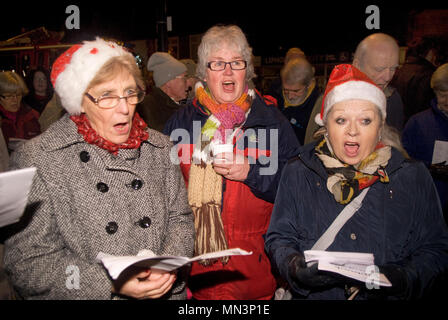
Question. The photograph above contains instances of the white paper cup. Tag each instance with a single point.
(222, 148)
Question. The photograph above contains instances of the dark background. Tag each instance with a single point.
(271, 26)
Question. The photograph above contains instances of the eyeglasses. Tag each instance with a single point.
(109, 102)
(11, 96)
(221, 65)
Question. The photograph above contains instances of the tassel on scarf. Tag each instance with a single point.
(204, 184)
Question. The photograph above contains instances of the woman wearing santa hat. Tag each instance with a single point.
(355, 191)
(104, 183)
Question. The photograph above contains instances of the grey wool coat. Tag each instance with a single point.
(85, 200)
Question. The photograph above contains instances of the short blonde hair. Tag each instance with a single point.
(439, 79)
(214, 38)
(11, 82)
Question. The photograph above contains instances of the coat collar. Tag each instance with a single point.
(166, 101)
(64, 133)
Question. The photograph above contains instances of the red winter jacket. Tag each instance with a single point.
(246, 206)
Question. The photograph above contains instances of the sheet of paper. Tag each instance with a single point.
(115, 265)
(440, 153)
(356, 265)
(363, 273)
(339, 257)
(14, 189)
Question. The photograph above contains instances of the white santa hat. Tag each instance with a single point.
(346, 82)
(73, 70)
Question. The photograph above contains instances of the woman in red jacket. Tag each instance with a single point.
(18, 120)
(232, 148)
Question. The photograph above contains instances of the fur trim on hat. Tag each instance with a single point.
(74, 70)
(348, 83)
(350, 91)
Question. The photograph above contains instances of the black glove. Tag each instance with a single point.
(398, 279)
(439, 170)
(311, 277)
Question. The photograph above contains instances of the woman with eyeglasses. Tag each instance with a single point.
(232, 147)
(18, 120)
(104, 183)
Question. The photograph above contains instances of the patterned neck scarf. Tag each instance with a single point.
(137, 135)
(345, 182)
(204, 184)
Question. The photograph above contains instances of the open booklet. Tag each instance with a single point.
(355, 265)
(115, 265)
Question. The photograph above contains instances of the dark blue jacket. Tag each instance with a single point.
(419, 135)
(400, 222)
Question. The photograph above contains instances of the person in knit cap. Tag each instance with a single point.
(104, 183)
(232, 147)
(170, 80)
(357, 166)
(192, 79)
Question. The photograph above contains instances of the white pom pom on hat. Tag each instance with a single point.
(346, 82)
(73, 70)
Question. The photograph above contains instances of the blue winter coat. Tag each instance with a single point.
(400, 222)
(419, 135)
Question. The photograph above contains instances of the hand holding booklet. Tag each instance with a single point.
(355, 265)
(115, 265)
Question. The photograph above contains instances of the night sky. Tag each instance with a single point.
(271, 27)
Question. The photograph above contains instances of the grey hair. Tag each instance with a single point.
(11, 82)
(298, 70)
(215, 38)
(439, 79)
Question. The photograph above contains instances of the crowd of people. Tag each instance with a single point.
(204, 161)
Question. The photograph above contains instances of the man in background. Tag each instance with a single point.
(169, 76)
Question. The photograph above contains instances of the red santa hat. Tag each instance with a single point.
(75, 68)
(346, 82)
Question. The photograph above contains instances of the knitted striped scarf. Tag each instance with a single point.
(204, 184)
